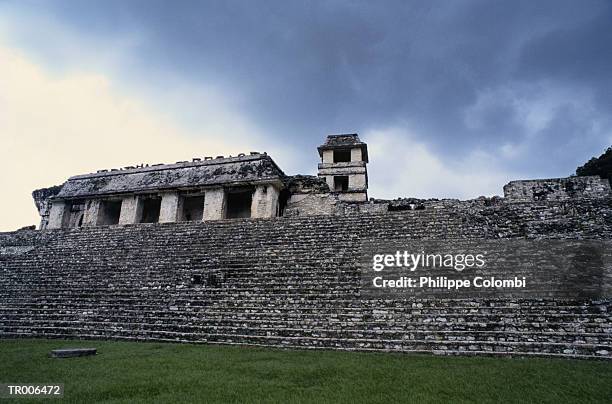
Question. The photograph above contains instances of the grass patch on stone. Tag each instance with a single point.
(128, 372)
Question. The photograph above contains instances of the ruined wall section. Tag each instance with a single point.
(41, 200)
(309, 195)
(557, 189)
(292, 282)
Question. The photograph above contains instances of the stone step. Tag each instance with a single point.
(291, 282)
(270, 303)
(387, 317)
(308, 330)
(442, 350)
(514, 347)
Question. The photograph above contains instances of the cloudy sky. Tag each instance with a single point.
(455, 98)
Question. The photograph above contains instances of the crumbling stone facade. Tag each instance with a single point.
(42, 200)
(557, 189)
(293, 282)
(209, 189)
(233, 251)
(250, 186)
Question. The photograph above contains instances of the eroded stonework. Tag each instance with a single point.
(208, 189)
(251, 186)
(234, 251)
(557, 189)
(294, 282)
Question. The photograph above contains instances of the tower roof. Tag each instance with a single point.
(344, 141)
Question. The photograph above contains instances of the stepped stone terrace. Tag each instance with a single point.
(231, 250)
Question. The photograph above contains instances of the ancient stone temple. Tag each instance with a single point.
(232, 250)
(248, 186)
(209, 189)
(203, 189)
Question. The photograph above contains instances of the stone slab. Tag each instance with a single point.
(73, 352)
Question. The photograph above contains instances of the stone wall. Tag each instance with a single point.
(292, 282)
(41, 200)
(312, 204)
(557, 189)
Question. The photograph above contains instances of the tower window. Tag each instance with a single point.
(341, 183)
(342, 156)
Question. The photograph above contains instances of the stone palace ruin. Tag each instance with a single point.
(247, 186)
(232, 250)
(209, 189)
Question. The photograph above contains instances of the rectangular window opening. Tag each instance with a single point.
(109, 213)
(342, 156)
(239, 204)
(150, 210)
(341, 183)
(193, 208)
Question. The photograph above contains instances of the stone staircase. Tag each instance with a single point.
(290, 282)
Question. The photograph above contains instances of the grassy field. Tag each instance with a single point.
(150, 372)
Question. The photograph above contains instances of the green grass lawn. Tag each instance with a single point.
(151, 372)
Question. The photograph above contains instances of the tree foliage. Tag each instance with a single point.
(601, 166)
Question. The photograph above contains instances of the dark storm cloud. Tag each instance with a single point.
(462, 75)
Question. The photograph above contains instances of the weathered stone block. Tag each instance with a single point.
(131, 210)
(265, 201)
(169, 207)
(72, 352)
(328, 156)
(91, 214)
(358, 182)
(557, 189)
(56, 215)
(214, 204)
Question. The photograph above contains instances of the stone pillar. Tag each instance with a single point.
(259, 201)
(131, 209)
(214, 204)
(169, 207)
(357, 182)
(328, 156)
(56, 215)
(330, 182)
(356, 154)
(92, 211)
(265, 201)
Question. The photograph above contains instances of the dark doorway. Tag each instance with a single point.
(283, 198)
(109, 212)
(73, 214)
(342, 156)
(150, 210)
(341, 183)
(239, 204)
(193, 208)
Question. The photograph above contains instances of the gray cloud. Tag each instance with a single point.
(462, 75)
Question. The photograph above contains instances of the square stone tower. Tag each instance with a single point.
(343, 165)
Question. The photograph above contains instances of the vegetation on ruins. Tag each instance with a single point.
(601, 166)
